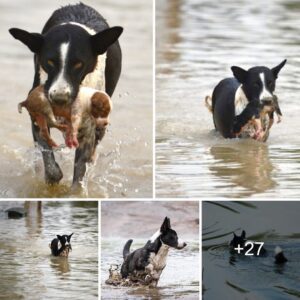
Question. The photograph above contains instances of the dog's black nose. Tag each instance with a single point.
(184, 244)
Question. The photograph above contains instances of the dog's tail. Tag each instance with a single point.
(279, 256)
(126, 249)
(208, 103)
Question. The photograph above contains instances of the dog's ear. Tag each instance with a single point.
(234, 235)
(239, 73)
(243, 236)
(59, 237)
(277, 69)
(102, 40)
(34, 41)
(165, 225)
(70, 235)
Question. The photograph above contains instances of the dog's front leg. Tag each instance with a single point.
(84, 153)
(53, 173)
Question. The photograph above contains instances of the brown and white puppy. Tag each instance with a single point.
(41, 113)
(89, 102)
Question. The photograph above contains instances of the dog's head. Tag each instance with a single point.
(66, 54)
(65, 240)
(169, 236)
(238, 240)
(258, 83)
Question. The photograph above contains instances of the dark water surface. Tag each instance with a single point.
(28, 271)
(197, 43)
(124, 159)
(239, 277)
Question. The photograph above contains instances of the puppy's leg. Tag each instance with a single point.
(252, 111)
(44, 132)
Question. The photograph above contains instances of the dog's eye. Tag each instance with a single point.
(50, 62)
(78, 65)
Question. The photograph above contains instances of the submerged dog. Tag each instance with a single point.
(149, 261)
(61, 246)
(246, 102)
(255, 248)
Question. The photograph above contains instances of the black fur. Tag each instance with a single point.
(223, 98)
(241, 241)
(139, 259)
(83, 48)
(61, 244)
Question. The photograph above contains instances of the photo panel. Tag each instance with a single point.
(49, 250)
(227, 77)
(250, 250)
(101, 140)
(150, 249)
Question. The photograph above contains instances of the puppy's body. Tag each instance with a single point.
(61, 246)
(89, 102)
(149, 261)
(240, 100)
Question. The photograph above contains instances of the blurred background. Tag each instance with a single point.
(28, 271)
(197, 41)
(124, 158)
(139, 220)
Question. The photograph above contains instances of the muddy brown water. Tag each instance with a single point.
(197, 43)
(28, 271)
(121, 221)
(124, 164)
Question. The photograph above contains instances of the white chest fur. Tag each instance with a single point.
(240, 101)
(159, 260)
(157, 263)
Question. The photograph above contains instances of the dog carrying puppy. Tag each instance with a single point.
(61, 246)
(246, 99)
(149, 261)
(89, 102)
(76, 48)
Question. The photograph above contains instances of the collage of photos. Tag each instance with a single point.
(150, 150)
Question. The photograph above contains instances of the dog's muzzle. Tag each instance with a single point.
(60, 98)
(181, 245)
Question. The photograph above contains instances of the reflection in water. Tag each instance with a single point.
(227, 276)
(60, 264)
(197, 43)
(247, 167)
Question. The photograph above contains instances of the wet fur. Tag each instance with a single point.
(149, 261)
(94, 47)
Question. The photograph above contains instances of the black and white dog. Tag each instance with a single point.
(76, 47)
(254, 248)
(236, 101)
(61, 246)
(151, 259)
